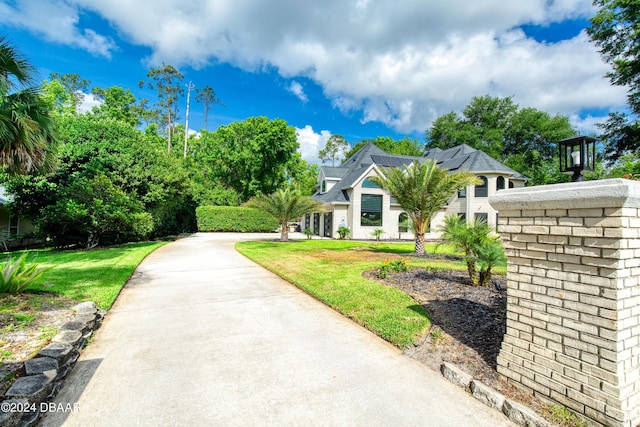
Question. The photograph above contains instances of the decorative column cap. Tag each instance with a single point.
(606, 193)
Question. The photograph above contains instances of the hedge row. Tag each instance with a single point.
(234, 219)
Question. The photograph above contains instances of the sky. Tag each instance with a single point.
(357, 68)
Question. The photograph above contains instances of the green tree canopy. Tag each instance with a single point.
(250, 157)
(615, 29)
(421, 189)
(522, 138)
(334, 149)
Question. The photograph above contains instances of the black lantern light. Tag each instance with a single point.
(577, 154)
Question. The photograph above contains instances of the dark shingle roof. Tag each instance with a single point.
(461, 157)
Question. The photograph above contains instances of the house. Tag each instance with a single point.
(11, 226)
(352, 200)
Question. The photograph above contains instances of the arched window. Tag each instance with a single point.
(500, 183)
(367, 183)
(482, 190)
(510, 184)
(403, 223)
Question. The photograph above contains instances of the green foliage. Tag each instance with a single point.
(16, 275)
(377, 233)
(250, 157)
(285, 205)
(565, 417)
(421, 189)
(392, 265)
(141, 179)
(92, 212)
(27, 133)
(308, 232)
(522, 138)
(207, 96)
(234, 219)
(480, 248)
(343, 232)
(334, 149)
(614, 30)
(118, 104)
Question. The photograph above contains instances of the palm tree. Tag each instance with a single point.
(466, 239)
(285, 205)
(26, 126)
(421, 189)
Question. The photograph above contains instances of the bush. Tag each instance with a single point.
(343, 232)
(16, 275)
(234, 219)
(397, 266)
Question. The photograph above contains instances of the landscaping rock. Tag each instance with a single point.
(40, 365)
(34, 388)
(68, 337)
(75, 326)
(88, 307)
(487, 395)
(522, 415)
(87, 319)
(59, 351)
(12, 418)
(456, 375)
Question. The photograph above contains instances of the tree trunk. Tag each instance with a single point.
(471, 269)
(284, 233)
(485, 277)
(419, 249)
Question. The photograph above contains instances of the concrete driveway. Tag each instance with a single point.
(202, 336)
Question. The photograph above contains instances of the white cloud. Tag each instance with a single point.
(88, 101)
(56, 21)
(297, 89)
(400, 63)
(311, 142)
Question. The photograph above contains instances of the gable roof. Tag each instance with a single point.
(461, 157)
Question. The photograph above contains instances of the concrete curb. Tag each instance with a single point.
(27, 397)
(516, 412)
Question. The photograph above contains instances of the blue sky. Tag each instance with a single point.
(359, 68)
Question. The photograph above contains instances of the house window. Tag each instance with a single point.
(500, 183)
(324, 187)
(462, 193)
(371, 210)
(367, 183)
(403, 223)
(482, 190)
(510, 184)
(463, 216)
(481, 216)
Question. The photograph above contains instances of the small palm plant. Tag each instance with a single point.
(343, 232)
(377, 233)
(16, 275)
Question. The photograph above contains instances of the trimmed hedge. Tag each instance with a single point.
(235, 219)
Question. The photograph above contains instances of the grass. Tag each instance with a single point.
(331, 270)
(97, 275)
(565, 417)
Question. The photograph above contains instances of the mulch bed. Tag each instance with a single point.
(467, 325)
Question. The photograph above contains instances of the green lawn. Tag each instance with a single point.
(331, 270)
(97, 275)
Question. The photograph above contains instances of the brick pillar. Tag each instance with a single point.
(573, 298)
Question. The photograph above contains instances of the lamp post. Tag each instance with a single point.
(577, 154)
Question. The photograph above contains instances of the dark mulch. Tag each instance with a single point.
(467, 325)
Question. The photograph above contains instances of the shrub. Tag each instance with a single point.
(308, 232)
(234, 219)
(377, 233)
(397, 266)
(343, 232)
(16, 275)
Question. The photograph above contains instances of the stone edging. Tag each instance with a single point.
(45, 371)
(516, 412)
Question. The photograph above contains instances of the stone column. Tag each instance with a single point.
(573, 298)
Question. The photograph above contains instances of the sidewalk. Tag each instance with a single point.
(202, 336)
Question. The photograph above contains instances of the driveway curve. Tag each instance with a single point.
(200, 335)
